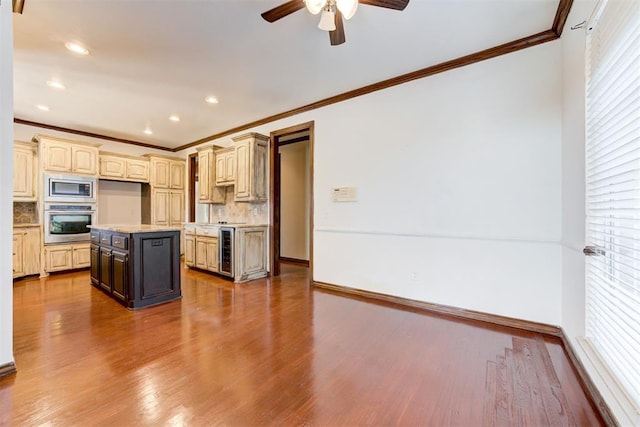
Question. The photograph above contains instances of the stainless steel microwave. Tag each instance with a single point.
(69, 189)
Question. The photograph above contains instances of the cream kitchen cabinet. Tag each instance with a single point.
(167, 172)
(251, 167)
(225, 166)
(250, 253)
(206, 253)
(123, 168)
(161, 206)
(66, 257)
(25, 169)
(189, 249)
(26, 250)
(207, 190)
(59, 155)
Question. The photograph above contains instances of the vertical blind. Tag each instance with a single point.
(613, 190)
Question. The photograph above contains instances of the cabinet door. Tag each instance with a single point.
(212, 254)
(137, 170)
(105, 269)
(176, 209)
(57, 157)
(160, 207)
(84, 159)
(189, 250)
(220, 172)
(58, 258)
(18, 264)
(23, 174)
(204, 179)
(31, 250)
(229, 167)
(252, 251)
(120, 283)
(81, 256)
(160, 173)
(112, 167)
(95, 264)
(242, 171)
(201, 253)
(177, 175)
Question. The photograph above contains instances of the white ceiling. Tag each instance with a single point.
(150, 59)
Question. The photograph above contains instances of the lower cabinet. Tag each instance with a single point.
(201, 252)
(66, 257)
(251, 253)
(26, 251)
(189, 250)
(109, 270)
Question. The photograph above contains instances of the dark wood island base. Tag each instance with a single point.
(137, 265)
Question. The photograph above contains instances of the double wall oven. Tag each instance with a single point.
(69, 207)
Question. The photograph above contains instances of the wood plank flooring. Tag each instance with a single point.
(273, 352)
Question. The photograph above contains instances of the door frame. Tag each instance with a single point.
(274, 195)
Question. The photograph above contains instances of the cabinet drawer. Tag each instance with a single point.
(120, 242)
(95, 237)
(105, 239)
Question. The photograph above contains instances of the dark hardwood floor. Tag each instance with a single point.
(273, 352)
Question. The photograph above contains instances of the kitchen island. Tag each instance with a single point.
(137, 265)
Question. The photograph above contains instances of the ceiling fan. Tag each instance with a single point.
(332, 13)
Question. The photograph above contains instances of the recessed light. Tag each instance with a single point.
(174, 118)
(148, 132)
(56, 85)
(42, 107)
(76, 48)
(211, 100)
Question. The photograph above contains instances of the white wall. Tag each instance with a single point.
(294, 201)
(459, 187)
(119, 202)
(6, 177)
(573, 178)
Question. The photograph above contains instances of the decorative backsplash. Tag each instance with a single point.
(25, 213)
(233, 211)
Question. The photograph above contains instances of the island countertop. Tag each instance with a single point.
(131, 229)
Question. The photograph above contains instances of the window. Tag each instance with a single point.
(613, 190)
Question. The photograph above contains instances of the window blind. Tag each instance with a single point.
(613, 190)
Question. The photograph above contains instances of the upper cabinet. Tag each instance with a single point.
(167, 172)
(25, 169)
(123, 168)
(251, 167)
(207, 190)
(59, 155)
(225, 166)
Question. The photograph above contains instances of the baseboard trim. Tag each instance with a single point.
(8, 369)
(542, 328)
(461, 313)
(295, 261)
(587, 383)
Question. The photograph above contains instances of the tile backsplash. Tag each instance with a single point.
(25, 213)
(233, 211)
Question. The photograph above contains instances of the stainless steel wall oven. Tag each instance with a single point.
(65, 223)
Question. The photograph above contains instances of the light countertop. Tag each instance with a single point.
(139, 228)
(230, 224)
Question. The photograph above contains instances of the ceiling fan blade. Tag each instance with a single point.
(283, 10)
(18, 5)
(388, 4)
(336, 36)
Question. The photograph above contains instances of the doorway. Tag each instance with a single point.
(291, 219)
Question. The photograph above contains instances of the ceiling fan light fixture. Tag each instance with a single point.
(327, 20)
(347, 7)
(315, 6)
